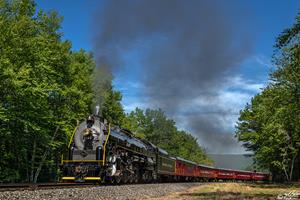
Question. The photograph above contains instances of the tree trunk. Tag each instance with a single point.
(25, 155)
(38, 170)
(292, 167)
(285, 172)
(32, 161)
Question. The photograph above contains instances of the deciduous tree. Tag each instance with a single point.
(269, 126)
(45, 87)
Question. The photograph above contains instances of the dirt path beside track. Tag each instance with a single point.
(237, 191)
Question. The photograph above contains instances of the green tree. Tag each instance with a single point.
(136, 121)
(154, 126)
(269, 126)
(45, 87)
(112, 109)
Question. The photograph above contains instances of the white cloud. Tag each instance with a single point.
(238, 82)
(128, 107)
(263, 60)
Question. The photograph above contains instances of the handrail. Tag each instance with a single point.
(71, 139)
(62, 155)
(104, 146)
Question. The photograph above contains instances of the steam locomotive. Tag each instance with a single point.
(100, 152)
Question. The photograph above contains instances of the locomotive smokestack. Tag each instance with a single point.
(97, 108)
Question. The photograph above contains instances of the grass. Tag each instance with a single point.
(240, 191)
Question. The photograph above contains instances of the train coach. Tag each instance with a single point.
(103, 153)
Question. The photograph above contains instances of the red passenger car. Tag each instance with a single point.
(186, 168)
(226, 174)
(257, 176)
(243, 175)
(207, 172)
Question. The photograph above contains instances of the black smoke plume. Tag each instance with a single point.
(186, 50)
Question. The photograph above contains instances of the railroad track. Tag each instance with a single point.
(40, 186)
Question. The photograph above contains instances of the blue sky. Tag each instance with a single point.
(268, 18)
(271, 16)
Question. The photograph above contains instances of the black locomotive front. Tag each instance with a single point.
(86, 151)
(98, 152)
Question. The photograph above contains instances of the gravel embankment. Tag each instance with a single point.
(122, 192)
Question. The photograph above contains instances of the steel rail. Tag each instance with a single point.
(38, 186)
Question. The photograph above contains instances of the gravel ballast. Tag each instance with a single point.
(121, 192)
